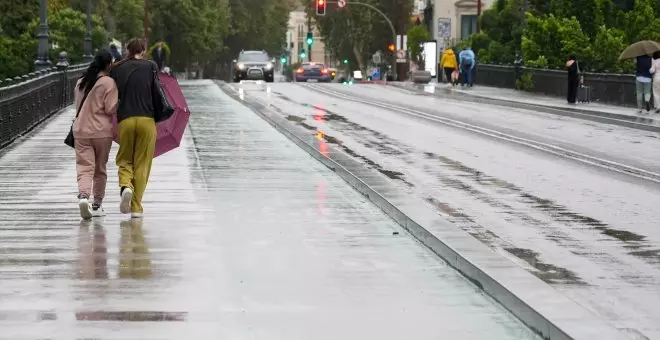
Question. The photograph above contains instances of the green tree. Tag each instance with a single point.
(641, 17)
(67, 31)
(193, 29)
(652, 31)
(126, 19)
(17, 15)
(416, 35)
(607, 45)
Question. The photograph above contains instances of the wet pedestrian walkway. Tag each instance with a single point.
(545, 100)
(245, 236)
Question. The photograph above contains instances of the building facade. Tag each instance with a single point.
(455, 20)
(296, 35)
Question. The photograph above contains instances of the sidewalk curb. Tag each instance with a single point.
(640, 123)
(548, 313)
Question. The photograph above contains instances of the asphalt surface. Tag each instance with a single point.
(584, 227)
(244, 237)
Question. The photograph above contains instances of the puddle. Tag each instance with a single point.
(544, 271)
(559, 213)
(370, 138)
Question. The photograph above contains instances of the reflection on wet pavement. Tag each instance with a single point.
(134, 259)
(332, 140)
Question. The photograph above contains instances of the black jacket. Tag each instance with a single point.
(644, 66)
(135, 81)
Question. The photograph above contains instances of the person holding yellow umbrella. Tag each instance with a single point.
(642, 51)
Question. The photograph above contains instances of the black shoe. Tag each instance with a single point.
(648, 106)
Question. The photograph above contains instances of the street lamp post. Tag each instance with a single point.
(87, 47)
(43, 62)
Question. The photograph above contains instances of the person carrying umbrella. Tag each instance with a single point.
(641, 51)
(136, 130)
(655, 70)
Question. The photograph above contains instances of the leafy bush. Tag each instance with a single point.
(416, 35)
(526, 82)
(596, 31)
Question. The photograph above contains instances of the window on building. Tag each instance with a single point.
(468, 25)
(301, 31)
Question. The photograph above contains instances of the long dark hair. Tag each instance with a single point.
(134, 47)
(656, 55)
(101, 61)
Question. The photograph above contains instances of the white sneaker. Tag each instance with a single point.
(97, 211)
(85, 208)
(136, 215)
(125, 204)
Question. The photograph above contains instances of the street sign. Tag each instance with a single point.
(377, 58)
(400, 56)
(375, 73)
(341, 3)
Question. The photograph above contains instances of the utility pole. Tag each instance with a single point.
(478, 16)
(43, 62)
(145, 21)
(87, 46)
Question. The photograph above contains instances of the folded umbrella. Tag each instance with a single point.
(644, 47)
(170, 131)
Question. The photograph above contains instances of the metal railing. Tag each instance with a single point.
(27, 101)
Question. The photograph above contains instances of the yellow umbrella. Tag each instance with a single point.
(644, 47)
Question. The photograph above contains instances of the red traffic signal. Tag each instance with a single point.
(320, 7)
(390, 47)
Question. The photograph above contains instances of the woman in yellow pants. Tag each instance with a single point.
(137, 128)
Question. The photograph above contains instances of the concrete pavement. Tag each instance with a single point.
(245, 236)
(604, 113)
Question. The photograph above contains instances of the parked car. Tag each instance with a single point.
(312, 71)
(254, 65)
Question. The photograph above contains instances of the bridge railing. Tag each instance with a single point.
(608, 88)
(27, 101)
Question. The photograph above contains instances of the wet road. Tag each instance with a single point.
(245, 237)
(589, 232)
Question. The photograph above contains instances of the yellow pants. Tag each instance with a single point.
(137, 140)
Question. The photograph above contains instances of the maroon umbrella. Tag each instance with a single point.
(170, 131)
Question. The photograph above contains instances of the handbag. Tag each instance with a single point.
(163, 109)
(69, 140)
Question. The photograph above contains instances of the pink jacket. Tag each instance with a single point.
(95, 118)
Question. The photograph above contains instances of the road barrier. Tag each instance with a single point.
(609, 88)
(27, 101)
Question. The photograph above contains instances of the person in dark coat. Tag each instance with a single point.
(159, 56)
(114, 51)
(573, 69)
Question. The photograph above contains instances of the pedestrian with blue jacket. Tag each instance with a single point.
(643, 82)
(466, 61)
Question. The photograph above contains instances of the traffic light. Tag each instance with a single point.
(345, 61)
(303, 54)
(390, 47)
(310, 38)
(283, 60)
(320, 7)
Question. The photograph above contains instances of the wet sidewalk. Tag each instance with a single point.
(626, 116)
(245, 236)
(545, 100)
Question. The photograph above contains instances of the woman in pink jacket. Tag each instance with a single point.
(92, 132)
